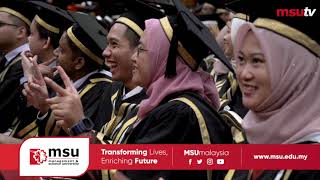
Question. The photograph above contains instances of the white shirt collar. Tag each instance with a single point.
(80, 81)
(131, 93)
(12, 54)
(108, 73)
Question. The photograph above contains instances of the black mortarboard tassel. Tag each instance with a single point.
(195, 41)
(173, 50)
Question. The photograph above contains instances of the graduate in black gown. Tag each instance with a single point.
(15, 20)
(123, 39)
(183, 102)
(226, 82)
(231, 107)
(126, 95)
(278, 72)
(46, 30)
(80, 56)
(227, 85)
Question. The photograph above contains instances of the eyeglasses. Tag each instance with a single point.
(7, 24)
(139, 50)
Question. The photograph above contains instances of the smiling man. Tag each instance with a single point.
(122, 41)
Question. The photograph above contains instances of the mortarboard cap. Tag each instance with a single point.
(52, 18)
(20, 9)
(287, 18)
(88, 35)
(137, 13)
(190, 38)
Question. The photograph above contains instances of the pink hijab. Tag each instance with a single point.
(160, 87)
(291, 112)
(219, 67)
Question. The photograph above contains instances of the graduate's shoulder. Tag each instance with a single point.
(183, 104)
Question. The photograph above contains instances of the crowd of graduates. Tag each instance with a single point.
(161, 72)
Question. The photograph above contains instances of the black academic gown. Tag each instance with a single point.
(230, 94)
(175, 122)
(25, 124)
(123, 110)
(11, 98)
(90, 92)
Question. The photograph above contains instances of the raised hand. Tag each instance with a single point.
(27, 64)
(46, 70)
(66, 106)
(36, 90)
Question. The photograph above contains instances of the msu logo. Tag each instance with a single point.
(37, 156)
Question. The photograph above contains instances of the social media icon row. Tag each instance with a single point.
(209, 161)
